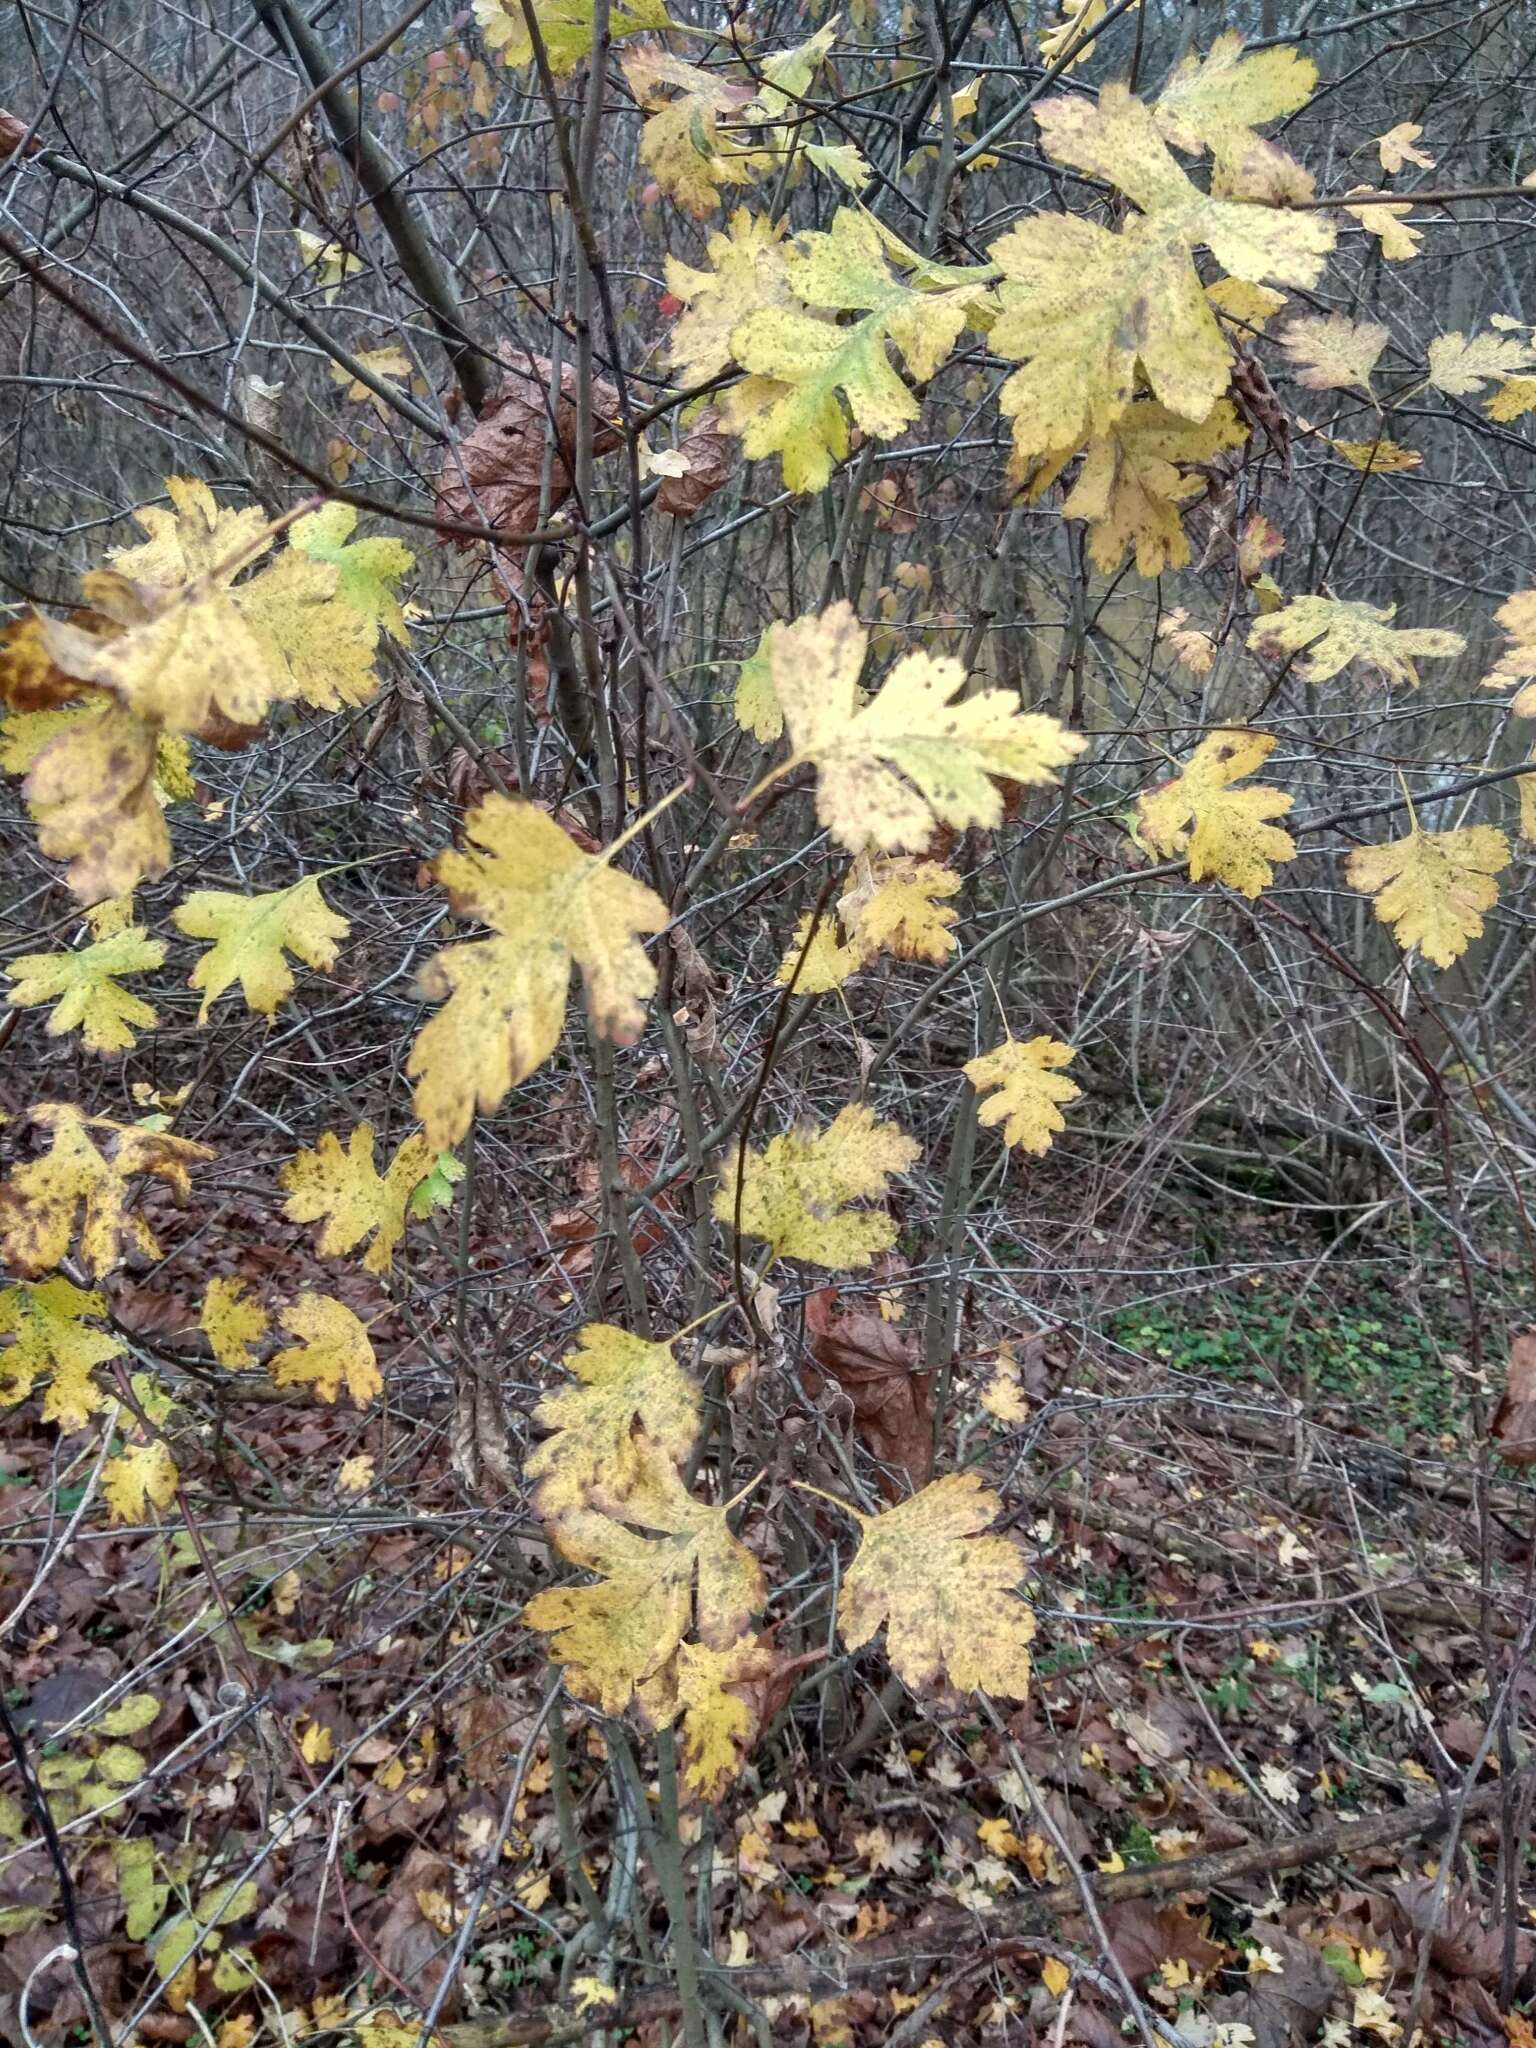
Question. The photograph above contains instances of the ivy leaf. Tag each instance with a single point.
(714, 1692)
(1517, 663)
(551, 905)
(1460, 364)
(1130, 486)
(141, 1477)
(681, 143)
(251, 934)
(945, 1592)
(1333, 353)
(812, 366)
(1216, 102)
(1028, 1089)
(565, 26)
(84, 989)
(1231, 836)
(52, 1337)
(333, 1351)
(232, 1320)
(347, 1191)
(366, 570)
(1433, 887)
(86, 1172)
(594, 1456)
(748, 271)
(1335, 631)
(688, 1572)
(889, 771)
(894, 907)
(797, 1190)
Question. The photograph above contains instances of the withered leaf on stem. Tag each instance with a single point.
(1514, 1420)
(873, 1363)
(708, 455)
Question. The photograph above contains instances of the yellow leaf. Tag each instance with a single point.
(142, 1475)
(1335, 631)
(945, 1592)
(1396, 148)
(251, 935)
(594, 1457)
(317, 1745)
(892, 769)
(1381, 458)
(804, 368)
(1231, 837)
(1216, 102)
(1252, 306)
(144, 1899)
(845, 161)
(1512, 401)
(1028, 1089)
(356, 1474)
(592, 1991)
(748, 271)
(564, 25)
(1459, 364)
(551, 904)
(616, 1634)
(84, 989)
(796, 1191)
(756, 706)
(388, 362)
(1130, 487)
(333, 1350)
(1003, 1395)
(1055, 1975)
(681, 143)
(826, 965)
(346, 1190)
(719, 1721)
(232, 1320)
(1432, 887)
(1074, 33)
(92, 790)
(40, 1202)
(893, 907)
(1517, 663)
(366, 573)
(52, 1337)
(1385, 221)
(1329, 354)
(333, 262)
(1193, 647)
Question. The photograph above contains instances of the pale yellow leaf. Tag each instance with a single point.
(84, 989)
(1328, 633)
(232, 1320)
(1396, 148)
(1328, 354)
(796, 1192)
(594, 1458)
(251, 935)
(333, 1351)
(141, 1476)
(344, 1191)
(1025, 1089)
(1433, 887)
(1224, 831)
(1460, 364)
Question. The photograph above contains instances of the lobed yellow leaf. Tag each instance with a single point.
(1130, 487)
(94, 790)
(1386, 221)
(756, 706)
(84, 989)
(53, 1338)
(333, 1351)
(565, 27)
(681, 143)
(76, 1177)
(595, 1456)
(889, 770)
(1216, 102)
(232, 1320)
(1460, 364)
(1396, 148)
(1225, 831)
(1512, 401)
(1517, 663)
(138, 1478)
(551, 905)
(1433, 887)
(796, 1192)
(945, 1592)
(894, 906)
(345, 1192)
(1331, 632)
(1381, 458)
(251, 934)
(720, 1722)
(1331, 353)
(748, 271)
(826, 965)
(1029, 1089)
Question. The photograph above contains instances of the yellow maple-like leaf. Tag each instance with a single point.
(1380, 458)
(1396, 148)
(756, 707)
(1330, 632)
(333, 1351)
(86, 1174)
(895, 906)
(796, 1192)
(1083, 306)
(1329, 354)
(748, 271)
(1130, 487)
(1028, 1089)
(232, 1320)
(356, 1474)
(53, 1338)
(1073, 37)
(890, 770)
(1003, 1396)
(1055, 1975)
(1385, 220)
(1460, 364)
(332, 260)
(84, 989)
(1512, 401)
(720, 1721)
(945, 1592)
(551, 905)
(594, 1457)
(686, 1574)
(1193, 646)
(1216, 102)
(93, 788)
(251, 934)
(1249, 306)
(806, 369)
(1433, 887)
(565, 27)
(389, 362)
(681, 143)
(1517, 615)
(1225, 831)
(816, 961)
(141, 1477)
(345, 1192)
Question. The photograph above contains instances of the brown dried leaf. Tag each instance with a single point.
(1514, 1420)
(492, 476)
(707, 453)
(873, 1363)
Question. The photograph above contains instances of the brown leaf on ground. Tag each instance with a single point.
(1283, 2007)
(708, 455)
(1514, 1420)
(1144, 1936)
(873, 1363)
